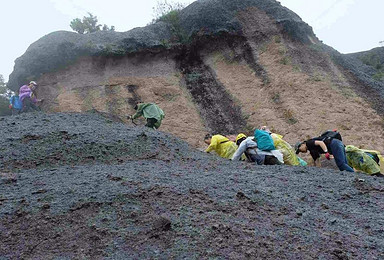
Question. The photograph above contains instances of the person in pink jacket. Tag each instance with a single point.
(27, 96)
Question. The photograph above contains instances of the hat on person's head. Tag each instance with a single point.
(240, 137)
(297, 146)
(33, 83)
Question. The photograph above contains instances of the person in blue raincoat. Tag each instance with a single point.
(15, 104)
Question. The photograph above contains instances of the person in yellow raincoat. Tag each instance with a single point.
(366, 161)
(289, 155)
(221, 145)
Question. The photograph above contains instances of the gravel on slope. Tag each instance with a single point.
(151, 196)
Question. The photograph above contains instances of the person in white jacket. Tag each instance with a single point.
(248, 146)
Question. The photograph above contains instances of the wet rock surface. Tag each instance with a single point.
(151, 196)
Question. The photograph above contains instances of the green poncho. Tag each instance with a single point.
(361, 160)
(150, 110)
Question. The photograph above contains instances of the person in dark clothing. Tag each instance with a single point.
(330, 146)
(29, 106)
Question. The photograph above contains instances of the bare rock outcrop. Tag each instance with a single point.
(208, 17)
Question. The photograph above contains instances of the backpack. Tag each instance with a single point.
(374, 157)
(330, 134)
(264, 140)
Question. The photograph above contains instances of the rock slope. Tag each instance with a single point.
(86, 186)
(223, 67)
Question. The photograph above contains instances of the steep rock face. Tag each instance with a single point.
(241, 64)
(202, 17)
(367, 69)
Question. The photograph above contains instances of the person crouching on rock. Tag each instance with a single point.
(28, 97)
(221, 145)
(152, 112)
(248, 147)
(330, 146)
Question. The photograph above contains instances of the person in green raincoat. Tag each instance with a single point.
(152, 112)
(363, 160)
(221, 145)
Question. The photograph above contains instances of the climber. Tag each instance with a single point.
(27, 95)
(320, 145)
(152, 112)
(15, 104)
(221, 145)
(248, 146)
(290, 158)
(367, 161)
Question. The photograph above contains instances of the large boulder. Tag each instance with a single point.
(205, 17)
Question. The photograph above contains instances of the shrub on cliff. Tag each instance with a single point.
(375, 60)
(88, 25)
(169, 12)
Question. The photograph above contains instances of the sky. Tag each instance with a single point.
(346, 25)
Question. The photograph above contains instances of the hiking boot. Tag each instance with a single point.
(378, 175)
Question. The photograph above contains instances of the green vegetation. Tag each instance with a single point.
(194, 77)
(113, 50)
(4, 102)
(276, 98)
(89, 25)
(169, 12)
(289, 116)
(317, 76)
(277, 39)
(373, 60)
(285, 60)
(379, 75)
(4, 109)
(3, 86)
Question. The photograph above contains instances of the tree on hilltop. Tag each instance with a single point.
(166, 10)
(89, 24)
(4, 102)
(3, 85)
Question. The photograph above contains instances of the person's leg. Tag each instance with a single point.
(151, 122)
(259, 159)
(35, 107)
(271, 160)
(26, 105)
(338, 152)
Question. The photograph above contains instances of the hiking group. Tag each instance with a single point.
(267, 148)
(263, 148)
(25, 99)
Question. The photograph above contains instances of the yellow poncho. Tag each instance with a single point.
(222, 146)
(289, 155)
